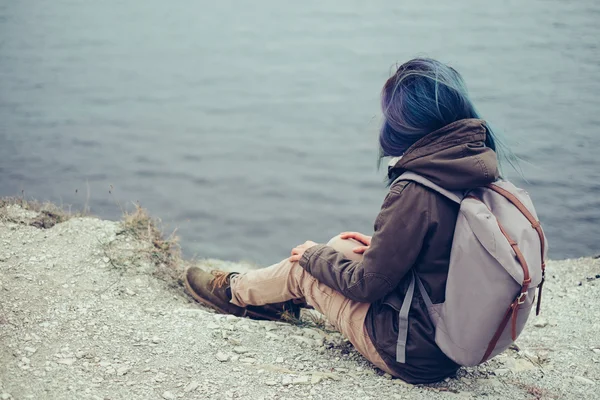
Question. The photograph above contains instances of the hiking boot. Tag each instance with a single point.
(213, 289)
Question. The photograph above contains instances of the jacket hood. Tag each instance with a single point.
(454, 157)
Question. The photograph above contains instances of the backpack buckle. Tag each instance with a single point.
(521, 298)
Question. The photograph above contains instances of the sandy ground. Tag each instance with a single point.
(82, 316)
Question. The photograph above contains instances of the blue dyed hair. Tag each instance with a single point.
(425, 95)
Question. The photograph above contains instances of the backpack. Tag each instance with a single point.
(496, 263)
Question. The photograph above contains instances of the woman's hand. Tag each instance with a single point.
(364, 239)
(299, 250)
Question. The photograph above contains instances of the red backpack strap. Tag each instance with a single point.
(535, 224)
(513, 310)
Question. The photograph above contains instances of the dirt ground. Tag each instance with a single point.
(86, 313)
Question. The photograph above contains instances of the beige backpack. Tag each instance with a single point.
(496, 263)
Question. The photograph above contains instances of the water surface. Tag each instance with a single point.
(251, 126)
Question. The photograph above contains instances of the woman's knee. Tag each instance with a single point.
(346, 247)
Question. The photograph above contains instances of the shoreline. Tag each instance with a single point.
(93, 309)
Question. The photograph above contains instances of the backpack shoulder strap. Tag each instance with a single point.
(403, 321)
(455, 196)
(405, 310)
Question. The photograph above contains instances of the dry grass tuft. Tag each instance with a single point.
(164, 252)
(49, 213)
(535, 391)
(308, 319)
(318, 320)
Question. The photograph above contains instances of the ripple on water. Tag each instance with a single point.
(256, 133)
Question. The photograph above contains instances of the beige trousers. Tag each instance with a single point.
(288, 280)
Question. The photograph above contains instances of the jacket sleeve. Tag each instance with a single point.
(400, 229)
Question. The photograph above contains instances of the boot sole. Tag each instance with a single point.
(202, 300)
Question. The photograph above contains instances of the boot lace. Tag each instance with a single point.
(220, 279)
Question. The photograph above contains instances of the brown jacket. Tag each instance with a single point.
(413, 230)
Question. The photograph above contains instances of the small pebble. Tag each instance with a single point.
(191, 387)
(212, 325)
(301, 380)
(240, 350)
(540, 322)
(585, 381)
